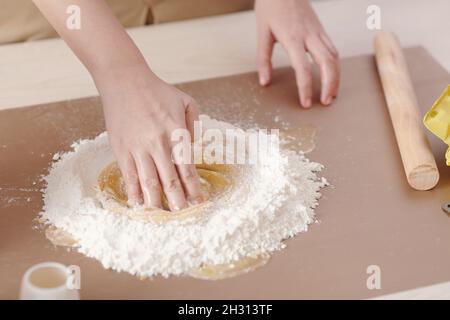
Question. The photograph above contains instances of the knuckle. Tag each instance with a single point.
(305, 88)
(193, 106)
(190, 175)
(133, 191)
(158, 142)
(131, 178)
(302, 67)
(304, 82)
(151, 184)
(335, 54)
(188, 100)
(293, 38)
(159, 115)
(263, 58)
(304, 70)
(330, 60)
(173, 185)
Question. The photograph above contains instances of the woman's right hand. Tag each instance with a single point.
(141, 112)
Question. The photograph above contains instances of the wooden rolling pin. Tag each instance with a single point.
(418, 160)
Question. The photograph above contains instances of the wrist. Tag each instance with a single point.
(124, 74)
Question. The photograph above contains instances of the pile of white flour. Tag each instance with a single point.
(273, 201)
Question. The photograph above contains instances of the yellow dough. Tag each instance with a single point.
(60, 237)
(214, 178)
(223, 271)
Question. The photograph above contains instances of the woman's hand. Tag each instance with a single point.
(294, 24)
(141, 112)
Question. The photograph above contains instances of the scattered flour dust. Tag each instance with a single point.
(274, 200)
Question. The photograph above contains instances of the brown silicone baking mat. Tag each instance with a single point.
(369, 216)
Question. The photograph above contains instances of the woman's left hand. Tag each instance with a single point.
(294, 24)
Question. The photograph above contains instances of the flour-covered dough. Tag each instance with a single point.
(214, 180)
(250, 211)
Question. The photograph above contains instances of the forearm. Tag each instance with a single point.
(101, 43)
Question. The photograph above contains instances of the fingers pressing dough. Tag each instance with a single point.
(214, 179)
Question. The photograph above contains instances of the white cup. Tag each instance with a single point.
(47, 281)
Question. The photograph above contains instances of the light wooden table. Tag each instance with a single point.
(47, 71)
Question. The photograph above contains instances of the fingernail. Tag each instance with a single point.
(177, 207)
(150, 205)
(196, 200)
(307, 103)
(263, 79)
(329, 100)
(134, 202)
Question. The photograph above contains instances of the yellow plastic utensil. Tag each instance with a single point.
(437, 120)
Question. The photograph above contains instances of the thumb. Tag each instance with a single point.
(265, 47)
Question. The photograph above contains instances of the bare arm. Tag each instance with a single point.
(141, 111)
(102, 43)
